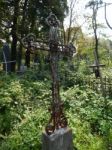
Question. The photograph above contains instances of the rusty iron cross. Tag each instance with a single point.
(54, 47)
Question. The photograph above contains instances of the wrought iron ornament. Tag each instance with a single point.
(53, 23)
(53, 46)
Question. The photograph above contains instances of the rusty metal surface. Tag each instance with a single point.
(54, 47)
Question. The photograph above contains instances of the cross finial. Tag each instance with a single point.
(52, 20)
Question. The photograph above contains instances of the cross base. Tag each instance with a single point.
(61, 139)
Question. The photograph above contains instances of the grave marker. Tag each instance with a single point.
(57, 135)
(7, 58)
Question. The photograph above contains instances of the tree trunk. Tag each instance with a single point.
(14, 35)
(96, 54)
(22, 33)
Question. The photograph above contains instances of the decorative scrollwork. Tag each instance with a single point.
(57, 120)
(52, 20)
(29, 39)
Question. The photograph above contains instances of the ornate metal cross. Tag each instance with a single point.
(54, 47)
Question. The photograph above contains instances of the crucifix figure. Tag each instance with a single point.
(53, 46)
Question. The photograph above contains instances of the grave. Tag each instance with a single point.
(57, 135)
(95, 68)
(7, 58)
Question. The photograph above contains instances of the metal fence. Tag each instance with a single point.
(95, 84)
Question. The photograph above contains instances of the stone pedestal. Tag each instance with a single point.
(60, 140)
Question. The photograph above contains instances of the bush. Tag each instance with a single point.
(17, 96)
(24, 103)
(85, 110)
(27, 134)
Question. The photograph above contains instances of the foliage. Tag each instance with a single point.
(73, 74)
(24, 99)
(27, 135)
(17, 96)
(25, 113)
(85, 110)
(18, 18)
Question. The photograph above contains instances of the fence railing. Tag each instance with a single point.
(95, 84)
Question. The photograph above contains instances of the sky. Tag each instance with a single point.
(80, 10)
